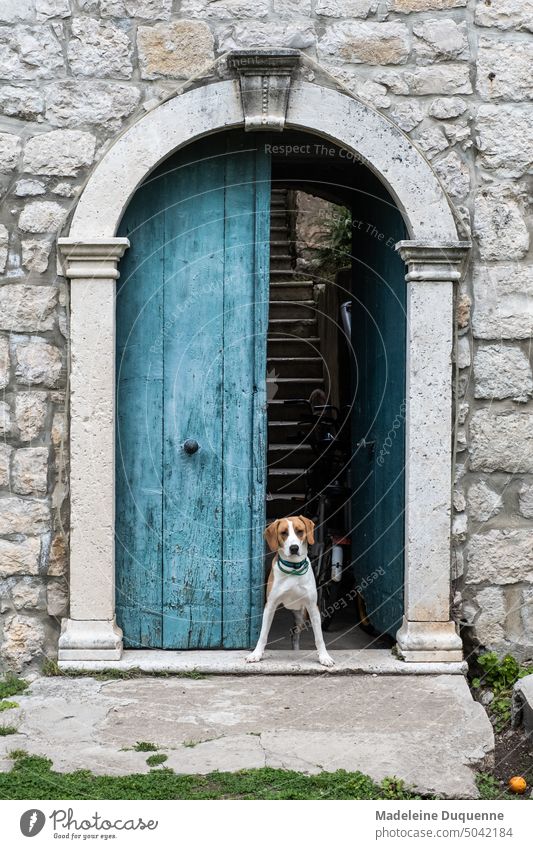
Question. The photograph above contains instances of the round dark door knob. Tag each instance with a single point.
(190, 446)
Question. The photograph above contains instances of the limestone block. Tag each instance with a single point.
(463, 357)
(447, 107)
(371, 43)
(151, 10)
(42, 217)
(505, 139)
(367, 90)
(30, 414)
(12, 11)
(500, 557)
(71, 103)
(36, 361)
(489, 625)
(20, 557)
(225, 10)
(29, 53)
(501, 441)
(61, 152)
(26, 594)
(525, 501)
(99, 49)
(483, 502)
(504, 69)
(505, 14)
(58, 559)
(5, 464)
(501, 371)
(526, 613)
(10, 146)
(454, 175)
(23, 641)
(29, 471)
(440, 40)
(407, 115)
(46, 9)
(179, 49)
(4, 246)
(432, 141)
(4, 362)
(503, 302)
(299, 35)
(35, 254)
(29, 188)
(23, 516)
(6, 421)
(425, 5)
(24, 102)
(27, 308)
(57, 598)
(499, 225)
(343, 8)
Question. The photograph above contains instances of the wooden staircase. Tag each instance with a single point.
(294, 367)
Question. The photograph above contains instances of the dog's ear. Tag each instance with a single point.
(309, 529)
(271, 535)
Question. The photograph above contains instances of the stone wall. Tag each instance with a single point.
(454, 74)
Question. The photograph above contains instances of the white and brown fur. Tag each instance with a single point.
(290, 539)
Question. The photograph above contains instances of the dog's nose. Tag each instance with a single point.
(294, 549)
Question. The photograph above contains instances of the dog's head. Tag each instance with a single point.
(291, 536)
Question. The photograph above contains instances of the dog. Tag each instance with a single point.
(291, 583)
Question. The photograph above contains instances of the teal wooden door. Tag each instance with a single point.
(192, 314)
(378, 420)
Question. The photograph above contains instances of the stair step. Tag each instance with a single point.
(279, 506)
(298, 327)
(285, 481)
(284, 388)
(294, 347)
(289, 454)
(295, 366)
(292, 309)
(280, 412)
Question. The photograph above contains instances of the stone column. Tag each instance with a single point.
(91, 632)
(427, 632)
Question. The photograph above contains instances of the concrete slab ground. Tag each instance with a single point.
(426, 730)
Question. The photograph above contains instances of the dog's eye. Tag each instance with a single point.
(300, 533)
(284, 533)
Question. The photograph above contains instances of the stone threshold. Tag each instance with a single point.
(219, 662)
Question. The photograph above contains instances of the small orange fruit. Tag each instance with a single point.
(517, 784)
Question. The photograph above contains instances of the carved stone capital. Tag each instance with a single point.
(433, 262)
(95, 258)
(265, 80)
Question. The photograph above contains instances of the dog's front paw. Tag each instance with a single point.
(326, 660)
(254, 657)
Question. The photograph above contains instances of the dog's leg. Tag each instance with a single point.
(297, 628)
(323, 656)
(268, 615)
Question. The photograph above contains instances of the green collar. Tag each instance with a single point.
(294, 568)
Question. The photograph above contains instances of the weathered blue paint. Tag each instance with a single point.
(199, 232)
(378, 421)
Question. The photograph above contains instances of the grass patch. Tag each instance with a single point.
(51, 669)
(33, 778)
(488, 786)
(499, 676)
(7, 705)
(6, 730)
(143, 746)
(12, 686)
(156, 760)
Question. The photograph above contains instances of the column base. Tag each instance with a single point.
(429, 642)
(84, 639)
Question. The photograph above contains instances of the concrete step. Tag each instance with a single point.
(303, 328)
(278, 506)
(289, 454)
(280, 262)
(281, 345)
(286, 480)
(295, 366)
(292, 387)
(299, 290)
(279, 411)
(292, 309)
(279, 248)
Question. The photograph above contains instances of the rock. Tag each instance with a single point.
(5, 464)
(463, 358)
(425, 5)
(345, 8)
(23, 641)
(61, 152)
(151, 10)
(505, 14)
(57, 598)
(370, 43)
(370, 92)
(26, 594)
(432, 141)
(483, 502)
(179, 49)
(35, 254)
(499, 226)
(65, 190)
(58, 560)
(503, 302)
(489, 625)
(450, 78)
(27, 308)
(36, 361)
(225, 10)
(440, 40)
(487, 698)
(29, 188)
(71, 103)
(19, 558)
(258, 34)
(505, 139)
(6, 422)
(4, 247)
(46, 9)
(458, 133)
(407, 115)
(30, 414)
(525, 501)
(99, 49)
(29, 53)
(504, 69)
(501, 441)
(454, 175)
(447, 107)
(502, 372)
(4, 362)
(462, 310)
(459, 501)
(459, 527)
(25, 103)
(29, 471)
(500, 557)
(23, 516)
(9, 151)
(42, 217)
(12, 11)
